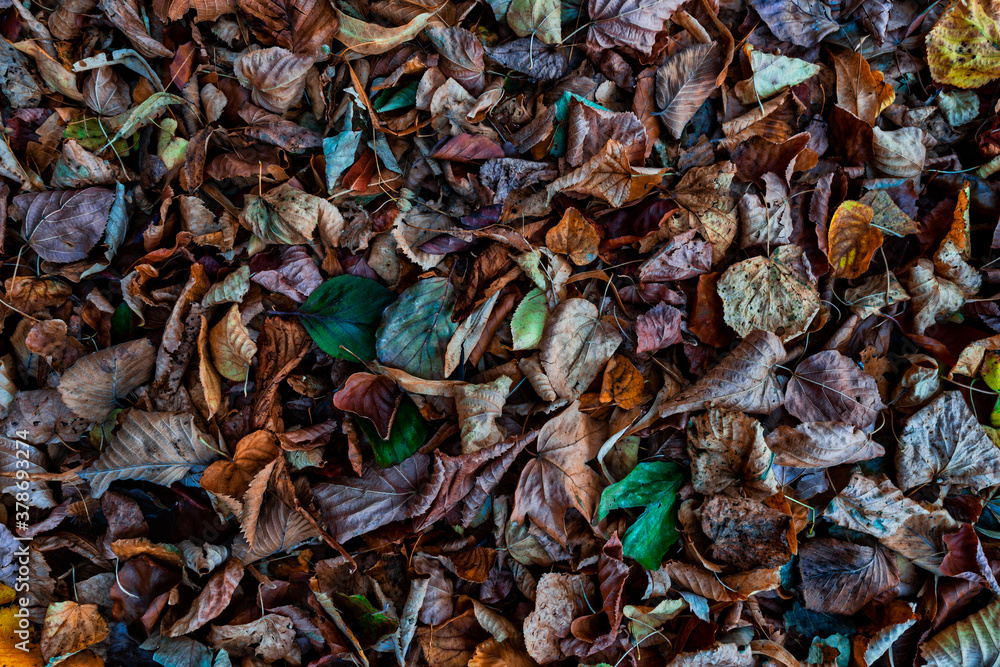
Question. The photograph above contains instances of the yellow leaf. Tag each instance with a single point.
(964, 45)
(211, 383)
(852, 240)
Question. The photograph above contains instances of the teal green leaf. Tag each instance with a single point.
(528, 321)
(114, 233)
(182, 652)
(398, 97)
(407, 434)
(653, 485)
(416, 329)
(339, 153)
(342, 314)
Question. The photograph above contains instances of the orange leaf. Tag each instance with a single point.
(622, 383)
(852, 240)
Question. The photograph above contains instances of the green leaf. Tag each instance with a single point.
(134, 119)
(342, 314)
(370, 625)
(407, 434)
(536, 18)
(653, 485)
(339, 152)
(529, 320)
(398, 97)
(416, 329)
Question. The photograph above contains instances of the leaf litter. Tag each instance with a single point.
(499, 333)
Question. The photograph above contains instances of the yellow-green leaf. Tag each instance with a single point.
(368, 39)
(963, 48)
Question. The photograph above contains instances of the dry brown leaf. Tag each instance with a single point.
(728, 452)
(821, 445)
(276, 77)
(232, 477)
(232, 347)
(744, 381)
(575, 237)
(559, 477)
(610, 176)
(622, 384)
(93, 385)
(70, 628)
(576, 344)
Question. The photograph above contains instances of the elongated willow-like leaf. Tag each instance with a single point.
(685, 82)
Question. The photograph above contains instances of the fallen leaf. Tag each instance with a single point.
(559, 477)
(944, 443)
(575, 346)
(768, 294)
(852, 240)
(840, 577)
(830, 387)
(157, 447)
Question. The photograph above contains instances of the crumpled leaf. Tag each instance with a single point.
(575, 237)
(559, 477)
(232, 347)
(944, 443)
(873, 506)
(860, 90)
(745, 533)
(287, 215)
(69, 628)
(706, 205)
(575, 346)
(610, 176)
(769, 294)
(276, 77)
(744, 381)
(727, 451)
